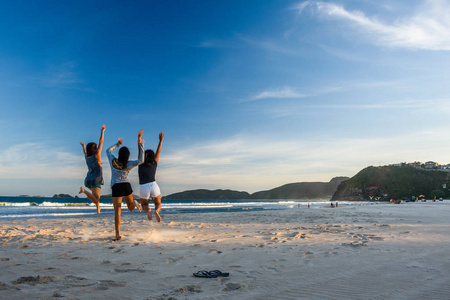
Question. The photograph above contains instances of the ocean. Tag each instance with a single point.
(40, 207)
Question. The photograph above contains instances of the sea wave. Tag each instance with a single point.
(54, 205)
(45, 215)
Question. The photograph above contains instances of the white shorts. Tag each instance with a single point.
(149, 190)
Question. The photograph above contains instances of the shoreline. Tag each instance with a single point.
(377, 251)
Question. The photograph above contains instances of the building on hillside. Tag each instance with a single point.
(399, 164)
(416, 164)
(444, 167)
(430, 165)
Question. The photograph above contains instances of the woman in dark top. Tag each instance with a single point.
(148, 186)
(94, 177)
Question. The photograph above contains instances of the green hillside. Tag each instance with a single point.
(301, 190)
(389, 182)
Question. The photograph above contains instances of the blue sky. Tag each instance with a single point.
(250, 94)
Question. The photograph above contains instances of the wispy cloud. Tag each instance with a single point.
(35, 160)
(425, 106)
(288, 92)
(428, 29)
(270, 45)
(63, 76)
(217, 43)
(278, 93)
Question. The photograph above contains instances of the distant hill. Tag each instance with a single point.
(393, 182)
(62, 196)
(300, 190)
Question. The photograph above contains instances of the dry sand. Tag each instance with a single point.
(381, 251)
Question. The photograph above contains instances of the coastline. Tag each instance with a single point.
(377, 251)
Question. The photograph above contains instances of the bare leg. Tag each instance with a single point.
(146, 208)
(132, 204)
(157, 201)
(117, 202)
(94, 196)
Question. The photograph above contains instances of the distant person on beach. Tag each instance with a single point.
(121, 187)
(148, 186)
(94, 178)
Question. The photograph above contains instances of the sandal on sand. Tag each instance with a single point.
(138, 206)
(117, 239)
(217, 273)
(204, 274)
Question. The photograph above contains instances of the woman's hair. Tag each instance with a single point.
(91, 149)
(124, 155)
(149, 157)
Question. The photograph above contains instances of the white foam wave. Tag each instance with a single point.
(45, 215)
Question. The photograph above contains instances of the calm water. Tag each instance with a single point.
(38, 207)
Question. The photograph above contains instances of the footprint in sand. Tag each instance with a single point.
(188, 289)
(30, 280)
(227, 287)
(214, 251)
(117, 270)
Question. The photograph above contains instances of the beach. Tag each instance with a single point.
(373, 251)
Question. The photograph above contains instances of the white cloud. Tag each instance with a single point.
(288, 92)
(217, 43)
(34, 160)
(279, 93)
(428, 29)
(63, 76)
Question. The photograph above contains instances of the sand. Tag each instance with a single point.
(383, 251)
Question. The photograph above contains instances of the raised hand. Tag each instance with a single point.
(161, 136)
(120, 140)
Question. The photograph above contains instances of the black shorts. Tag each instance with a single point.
(121, 189)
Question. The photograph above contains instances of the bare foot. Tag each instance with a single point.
(81, 190)
(149, 214)
(158, 217)
(117, 238)
(137, 205)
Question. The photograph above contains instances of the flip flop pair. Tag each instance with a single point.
(211, 274)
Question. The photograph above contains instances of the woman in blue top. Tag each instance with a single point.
(148, 186)
(94, 177)
(121, 187)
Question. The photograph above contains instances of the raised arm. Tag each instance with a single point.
(100, 142)
(161, 138)
(110, 149)
(134, 163)
(141, 132)
(84, 148)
